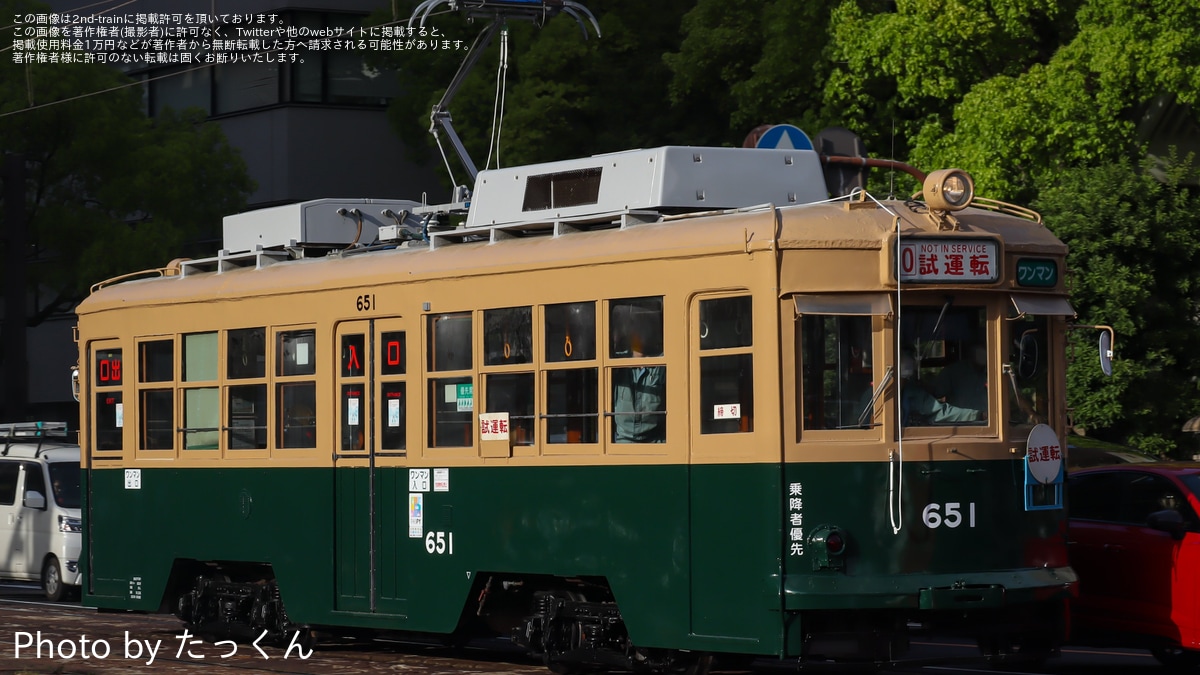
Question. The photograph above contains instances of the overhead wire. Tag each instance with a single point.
(135, 83)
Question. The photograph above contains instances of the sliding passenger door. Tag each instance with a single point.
(371, 511)
(733, 537)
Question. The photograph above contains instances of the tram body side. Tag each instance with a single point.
(571, 512)
(688, 541)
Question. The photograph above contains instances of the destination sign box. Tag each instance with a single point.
(949, 260)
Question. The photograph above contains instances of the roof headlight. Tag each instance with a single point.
(949, 190)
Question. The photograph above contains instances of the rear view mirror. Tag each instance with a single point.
(1107, 338)
(1106, 352)
(1169, 521)
(34, 500)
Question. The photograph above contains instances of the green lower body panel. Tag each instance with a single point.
(690, 553)
(733, 558)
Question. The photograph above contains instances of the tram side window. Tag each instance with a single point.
(297, 353)
(513, 393)
(156, 361)
(508, 341)
(247, 360)
(296, 398)
(247, 353)
(298, 417)
(450, 342)
(156, 415)
(572, 374)
(110, 414)
(201, 404)
(837, 360)
(451, 397)
(1028, 379)
(508, 336)
(639, 391)
(392, 393)
(726, 366)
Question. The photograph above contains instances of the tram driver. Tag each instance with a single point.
(919, 407)
(963, 383)
(639, 392)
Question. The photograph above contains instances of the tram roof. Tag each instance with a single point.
(834, 225)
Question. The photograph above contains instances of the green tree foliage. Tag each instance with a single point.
(744, 64)
(1018, 128)
(565, 96)
(905, 66)
(109, 191)
(1135, 263)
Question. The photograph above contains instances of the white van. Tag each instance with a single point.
(40, 524)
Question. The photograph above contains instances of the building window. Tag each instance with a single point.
(325, 76)
(336, 76)
(180, 88)
(242, 86)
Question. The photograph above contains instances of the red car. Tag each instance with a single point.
(1135, 544)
